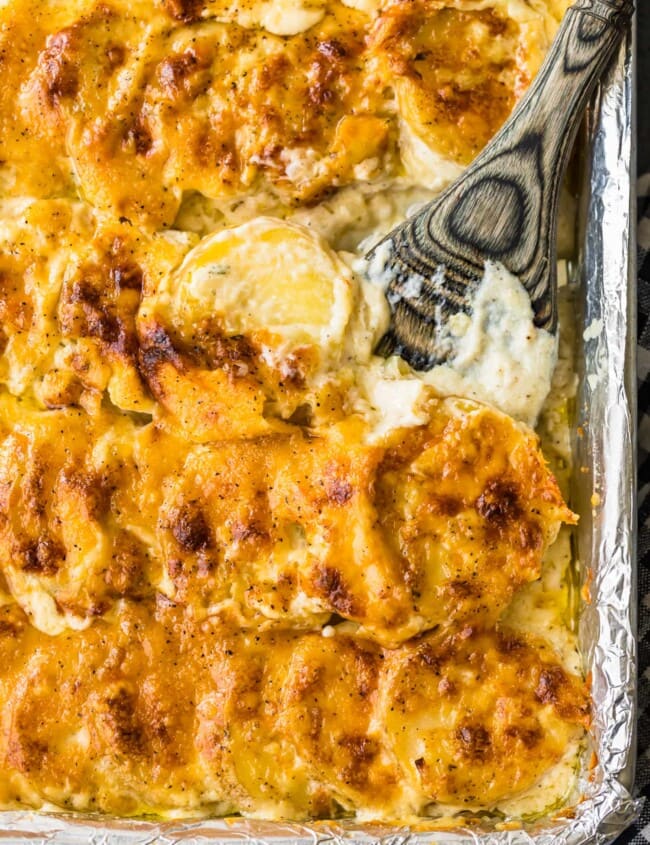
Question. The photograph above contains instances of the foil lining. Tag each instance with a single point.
(604, 495)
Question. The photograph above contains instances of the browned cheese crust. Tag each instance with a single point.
(224, 586)
(152, 710)
(72, 330)
(439, 525)
(153, 100)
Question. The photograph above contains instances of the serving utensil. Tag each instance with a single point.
(504, 206)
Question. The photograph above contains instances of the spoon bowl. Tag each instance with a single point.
(504, 207)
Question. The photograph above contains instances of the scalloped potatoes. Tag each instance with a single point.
(135, 103)
(245, 565)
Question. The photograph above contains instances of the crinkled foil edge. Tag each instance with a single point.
(605, 545)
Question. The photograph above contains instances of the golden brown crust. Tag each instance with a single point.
(74, 327)
(311, 724)
(71, 286)
(222, 587)
(459, 503)
(474, 755)
(437, 54)
(438, 526)
(148, 108)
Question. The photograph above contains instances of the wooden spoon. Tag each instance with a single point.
(504, 206)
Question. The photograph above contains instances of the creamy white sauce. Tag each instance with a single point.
(354, 219)
(290, 17)
(501, 356)
(425, 166)
(498, 355)
(389, 403)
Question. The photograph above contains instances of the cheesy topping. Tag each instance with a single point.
(133, 104)
(433, 524)
(310, 725)
(245, 565)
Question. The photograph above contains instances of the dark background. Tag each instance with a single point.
(643, 104)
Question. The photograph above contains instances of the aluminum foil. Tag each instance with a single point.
(604, 495)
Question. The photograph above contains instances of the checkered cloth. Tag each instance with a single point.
(639, 834)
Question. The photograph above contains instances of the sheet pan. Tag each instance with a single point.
(603, 494)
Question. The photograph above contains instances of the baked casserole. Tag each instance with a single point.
(246, 566)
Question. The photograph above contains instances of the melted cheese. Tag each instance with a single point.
(70, 285)
(135, 104)
(436, 523)
(206, 475)
(311, 725)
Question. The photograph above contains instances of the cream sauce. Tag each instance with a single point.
(498, 355)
